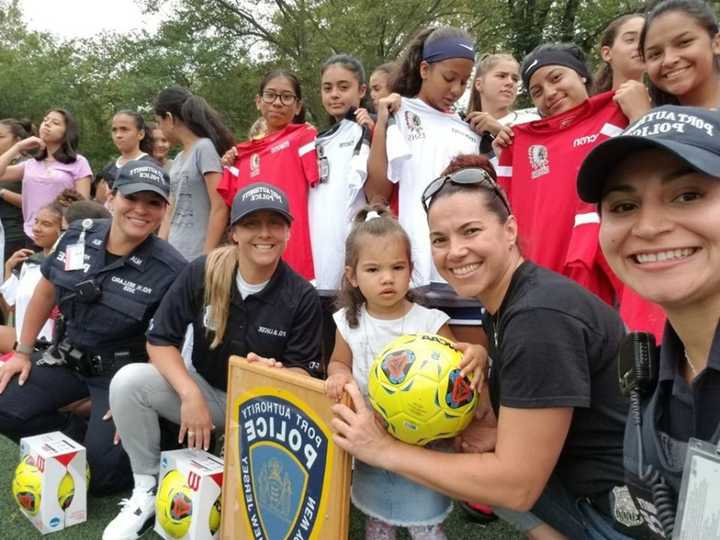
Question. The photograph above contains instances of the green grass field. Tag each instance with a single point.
(14, 525)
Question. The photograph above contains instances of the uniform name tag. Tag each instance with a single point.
(74, 256)
(698, 508)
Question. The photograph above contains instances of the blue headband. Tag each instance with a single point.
(449, 47)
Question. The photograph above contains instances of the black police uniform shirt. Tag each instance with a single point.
(131, 288)
(675, 412)
(554, 344)
(283, 321)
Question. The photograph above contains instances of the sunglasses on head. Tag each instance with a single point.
(463, 177)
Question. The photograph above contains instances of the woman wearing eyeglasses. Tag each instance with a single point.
(556, 447)
(284, 157)
(198, 216)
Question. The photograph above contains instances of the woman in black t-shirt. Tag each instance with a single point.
(556, 447)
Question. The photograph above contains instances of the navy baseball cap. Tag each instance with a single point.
(692, 134)
(142, 175)
(259, 196)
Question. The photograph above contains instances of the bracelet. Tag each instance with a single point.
(23, 349)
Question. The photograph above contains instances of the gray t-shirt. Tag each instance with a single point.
(189, 223)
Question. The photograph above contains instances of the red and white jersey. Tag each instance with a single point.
(342, 157)
(539, 173)
(421, 142)
(286, 159)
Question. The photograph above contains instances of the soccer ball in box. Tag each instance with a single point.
(415, 385)
(187, 506)
(50, 482)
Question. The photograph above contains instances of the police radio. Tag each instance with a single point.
(637, 363)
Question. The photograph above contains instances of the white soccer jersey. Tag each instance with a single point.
(421, 142)
(343, 152)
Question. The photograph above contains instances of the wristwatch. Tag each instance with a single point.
(22, 348)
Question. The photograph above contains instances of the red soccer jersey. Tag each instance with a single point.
(539, 172)
(288, 160)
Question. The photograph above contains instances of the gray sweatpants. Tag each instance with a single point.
(139, 395)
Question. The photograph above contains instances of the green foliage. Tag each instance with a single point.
(221, 48)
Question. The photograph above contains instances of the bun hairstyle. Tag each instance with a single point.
(696, 9)
(197, 115)
(407, 80)
(373, 221)
(299, 118)
(604, 74)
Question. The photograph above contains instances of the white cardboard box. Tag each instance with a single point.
(204, 476)
(55, 454)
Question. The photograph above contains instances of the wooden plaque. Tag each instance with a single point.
(285, 479)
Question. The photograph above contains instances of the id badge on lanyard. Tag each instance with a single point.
(698, 514)
(75, 253)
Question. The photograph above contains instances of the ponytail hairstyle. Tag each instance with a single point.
(363, 229)
(67, 153)
(486, 63)
(407, 80)
(696, 9)
(299, 118)
(19, 129)
(220, 269)
(603, 77)
(353, 65)
(146, 143)
(197, 115)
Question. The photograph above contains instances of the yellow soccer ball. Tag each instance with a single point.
(66, 491)
(415, 386)
(173, 504)
(27, 485)
(215, 511)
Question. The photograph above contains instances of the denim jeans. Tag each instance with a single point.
(575, 518)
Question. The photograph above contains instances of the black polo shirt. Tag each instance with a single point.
(131, 288)
(556, 346)
(283, 321)
(691, 410)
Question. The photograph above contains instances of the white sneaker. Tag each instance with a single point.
(135, 518)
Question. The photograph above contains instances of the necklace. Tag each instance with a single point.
(689, 362)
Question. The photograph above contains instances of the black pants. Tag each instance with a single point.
(32, 409)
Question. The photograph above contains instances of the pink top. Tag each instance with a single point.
(43, 182)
